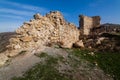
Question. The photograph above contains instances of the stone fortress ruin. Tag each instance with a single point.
(52, 28)
(87, 23)
(92, 26)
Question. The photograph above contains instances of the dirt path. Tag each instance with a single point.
(19, 65)
(22, 63)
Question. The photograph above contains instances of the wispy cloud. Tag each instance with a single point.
(11, 16)
(10, 11)
(16, 12)
(21, 9)
(25, 6)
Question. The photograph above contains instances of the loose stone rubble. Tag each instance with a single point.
(51, 28)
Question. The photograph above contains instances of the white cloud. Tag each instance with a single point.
(11, 16)
(16, 12)
(12, 10)
(25, 6)
(21, 9)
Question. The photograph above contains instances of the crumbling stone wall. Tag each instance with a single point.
(105, 29)
(96, 21)
(87, 23)
(51, 28)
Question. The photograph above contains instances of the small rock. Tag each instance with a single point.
(79, 44)
(26, 39)
(37, 16)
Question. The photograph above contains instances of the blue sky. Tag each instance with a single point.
(14, 12)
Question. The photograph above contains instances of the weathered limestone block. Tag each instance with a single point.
(99, 40)
(79, 44)
(14, 40)
(17, 46)
(26, 39)
(37, 16)
(65, 45)
(27, 23)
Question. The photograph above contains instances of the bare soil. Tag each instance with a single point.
(20, 64)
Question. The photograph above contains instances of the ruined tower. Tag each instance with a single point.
(87, 23)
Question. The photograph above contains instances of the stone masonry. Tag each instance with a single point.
(87, 23)
(51, 28)
(42, 30)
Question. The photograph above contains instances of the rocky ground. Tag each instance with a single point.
(21, 63)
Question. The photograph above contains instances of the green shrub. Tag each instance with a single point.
(42, 54)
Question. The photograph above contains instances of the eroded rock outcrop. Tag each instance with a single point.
(51, 28)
